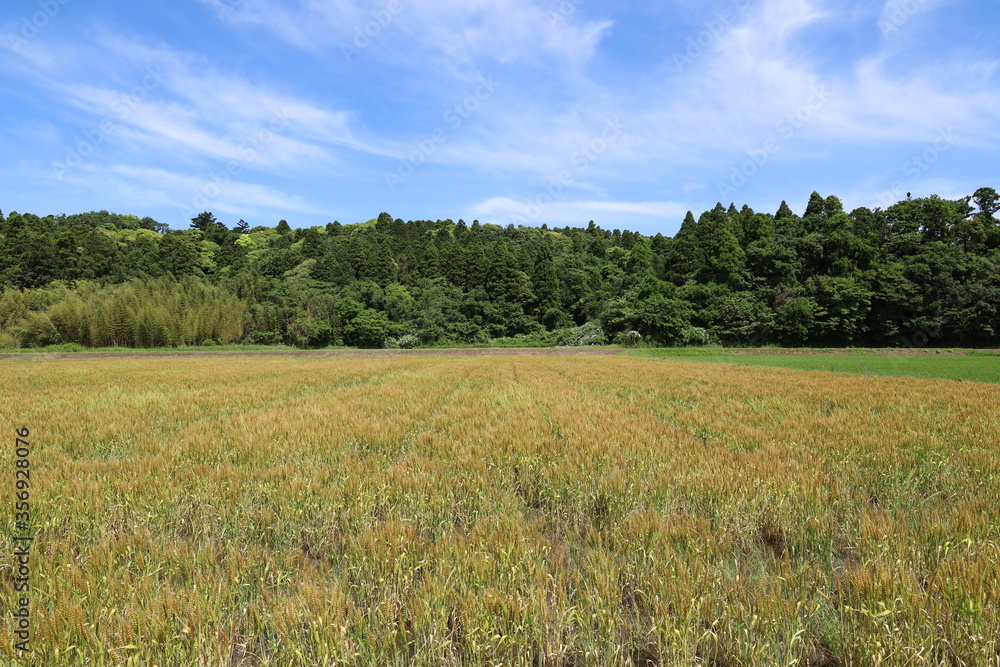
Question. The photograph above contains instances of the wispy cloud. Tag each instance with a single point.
(459, 34)
(503, 210)
(760, 74)
(193, 109)
(837, 101)
(236, 198)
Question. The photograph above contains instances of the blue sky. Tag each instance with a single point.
(508, 111)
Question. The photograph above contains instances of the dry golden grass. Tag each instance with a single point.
(505, 511)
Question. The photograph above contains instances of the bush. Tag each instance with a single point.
(543, 339)
(695, 336)
(8, 341)
(408, 341)
(369, 329)
(265, 338)
(310, 332)
(208, 342)
(36, 330)
(589, 334)
(629, 339)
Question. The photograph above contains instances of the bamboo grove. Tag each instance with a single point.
(920, 272)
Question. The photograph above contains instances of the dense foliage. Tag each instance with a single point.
(923, 271)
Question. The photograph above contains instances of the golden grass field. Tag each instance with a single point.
(502, 510)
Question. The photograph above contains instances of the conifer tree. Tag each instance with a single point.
(203, 222)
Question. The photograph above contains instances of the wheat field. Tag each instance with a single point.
(502, 511)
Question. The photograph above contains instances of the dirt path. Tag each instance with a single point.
(447, 352)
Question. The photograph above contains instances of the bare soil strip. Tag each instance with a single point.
(454, 352)
(444, 352)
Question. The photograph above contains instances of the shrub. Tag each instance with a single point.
(265, 338)
(695, 336)
(369, 329)
(629, 338)
(408, 341)
(590, 333)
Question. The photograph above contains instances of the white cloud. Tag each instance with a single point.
(760, 82)
(503, 210)
(905, 107)
(177, 106)
(558, 91)
(142, 188)
(460, 36)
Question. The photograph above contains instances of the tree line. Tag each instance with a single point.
(921, 272)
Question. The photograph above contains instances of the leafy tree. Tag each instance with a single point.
(922, 271)
(313, 245)
(795, 320)
(368, 329)
(29, 251)
(177, 255)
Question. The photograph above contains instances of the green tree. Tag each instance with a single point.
(368, 329)
(177, 255)
(29, 252)
(203, 221)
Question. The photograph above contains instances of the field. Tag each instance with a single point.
(976, 367)
(502, 510)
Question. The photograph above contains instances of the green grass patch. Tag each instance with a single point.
(974, 368)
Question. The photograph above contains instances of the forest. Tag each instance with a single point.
(922, 272)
